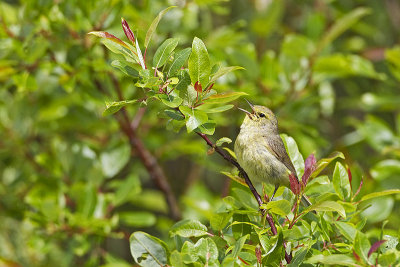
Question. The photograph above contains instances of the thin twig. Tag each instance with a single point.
(149, 161)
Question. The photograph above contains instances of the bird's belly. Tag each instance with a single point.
(261, 165)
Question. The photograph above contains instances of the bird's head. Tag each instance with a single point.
(260, 117)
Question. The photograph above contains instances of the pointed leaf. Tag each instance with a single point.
(164, 51)
(195, 118)
(208, 127)
(222, 71)
(280, 207)
(239, 245)
(154, 25)
(179, 60)
(294, 153)
(224, 97)
(127, 30)
(110, 37)
(362, 246)
(309, 166)
(148, 250)
(327, 206)
(223, 140)
(375, 246)
(322, 163)
(380, 194)
(199, 63)
(188, 228)
(341, 181)
(208, 108)
(170, 100)
(125, 68)
(139, 55)
(113, 107)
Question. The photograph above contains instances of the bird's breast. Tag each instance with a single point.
(255, 158)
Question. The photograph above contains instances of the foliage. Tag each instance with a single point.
(75, 184)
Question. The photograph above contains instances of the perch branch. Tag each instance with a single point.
(149, 161)
(231, 160)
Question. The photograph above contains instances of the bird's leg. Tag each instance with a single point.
(276, 188)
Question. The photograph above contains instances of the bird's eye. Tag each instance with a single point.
(262, 115)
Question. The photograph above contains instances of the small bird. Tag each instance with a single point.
(260, 150)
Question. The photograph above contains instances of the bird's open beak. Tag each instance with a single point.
(251, 105)
(247, 112)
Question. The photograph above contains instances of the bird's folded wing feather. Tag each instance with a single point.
(277, 148)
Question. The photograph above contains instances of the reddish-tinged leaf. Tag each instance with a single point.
(350, 176)
(210, 86)
(258, 255)
(294, 184)
(198, 87)
(356, 256)
(375, 246)
(309, 167)
(127, 30)
(110, 37)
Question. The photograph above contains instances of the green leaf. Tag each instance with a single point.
(341, 25)
(170, 100)
(154, 25)
(280, 207)
(222, 71)
(179, 60)
(270, 243)
(207, 251)
(189, 253)
(188, 228)
(208, 108)
(113, 107)
(208, 127)
(176, 259)
(298, 258)
(327, 206)
(174, 114)
(219, 220)
(139, 55)
(362, 246)
(239, 245)
(224, 97)
(148, 250)
(322, 163)
(122, 50)
(348, 230)
(336, 259)
(164, 51)
(341, 181)
(380, 194)
(294, 154)
(195, 118)
(110, 37)
(125, 68)
(223, 140)
(137, 218)
(199, 63)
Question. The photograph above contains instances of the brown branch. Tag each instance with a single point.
(242, 172)
(149, 161)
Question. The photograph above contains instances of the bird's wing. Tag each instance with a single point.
(277, 148)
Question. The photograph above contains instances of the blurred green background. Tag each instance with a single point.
(72, 189)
